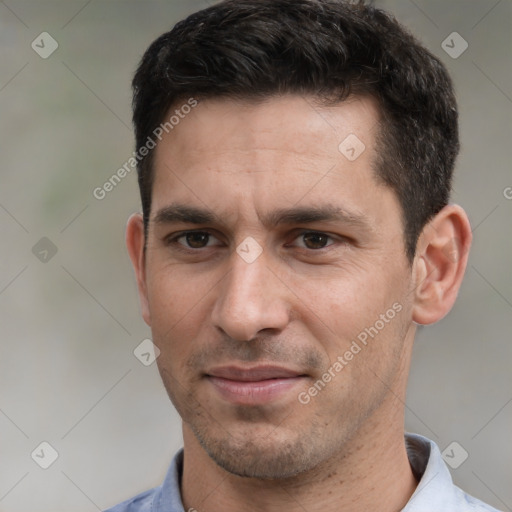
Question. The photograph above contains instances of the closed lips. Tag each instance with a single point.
(253, 374)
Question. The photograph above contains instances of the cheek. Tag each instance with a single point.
(344, 303)
(177, 308)
(362, 309)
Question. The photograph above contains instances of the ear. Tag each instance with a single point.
(135, 240)
(439, 264)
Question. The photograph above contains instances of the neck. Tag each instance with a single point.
(372, 474)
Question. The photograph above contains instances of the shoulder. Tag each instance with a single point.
(164, 498)
(472, 504)
(143, 502)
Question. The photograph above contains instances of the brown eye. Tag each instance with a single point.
(192, 241)
(197, 239)
(315, 240)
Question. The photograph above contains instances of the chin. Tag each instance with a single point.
(267, 457)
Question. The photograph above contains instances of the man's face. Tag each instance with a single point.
(270, 251)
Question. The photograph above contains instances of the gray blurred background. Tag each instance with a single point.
(70, 319)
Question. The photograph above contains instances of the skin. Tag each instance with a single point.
(299, 304)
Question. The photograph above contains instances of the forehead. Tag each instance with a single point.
(289, 123)
(285, 150)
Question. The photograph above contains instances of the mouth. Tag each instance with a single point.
(254, 385)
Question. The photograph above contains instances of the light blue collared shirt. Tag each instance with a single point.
(436, 491)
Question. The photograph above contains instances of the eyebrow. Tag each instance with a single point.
(175, 213)
(308, 215)
(180, 213)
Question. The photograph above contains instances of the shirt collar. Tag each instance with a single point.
(435, 490)
(169, 496)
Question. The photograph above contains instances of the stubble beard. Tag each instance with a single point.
(263, 444)
(268, 450)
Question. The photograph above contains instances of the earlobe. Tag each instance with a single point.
(135, 241)
(439, 265)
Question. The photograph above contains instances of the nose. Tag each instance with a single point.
(251, 299)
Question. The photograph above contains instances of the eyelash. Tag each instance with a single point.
(173, 240)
